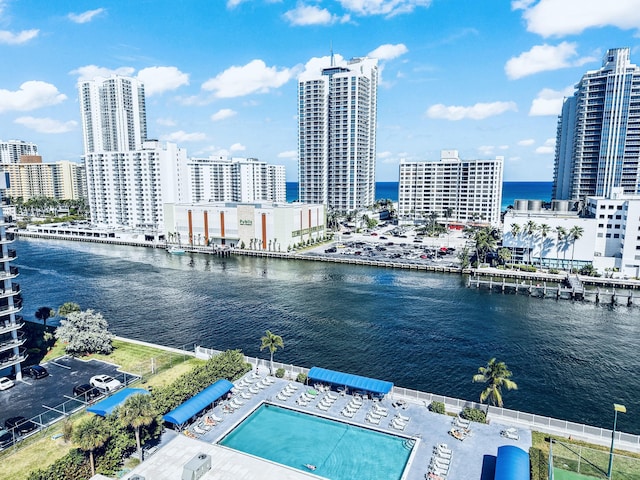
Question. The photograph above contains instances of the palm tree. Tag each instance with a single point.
(486, 242)
(504, 254)
(90, 435)
(544, 232)
(137, 412)
(529, 229)
(67, 308)
(561, 235)
(515, 233)
(575, 233)
(44, 313)
(496, 375)
(272, 342)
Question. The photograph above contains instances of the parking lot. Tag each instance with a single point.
(394, 244)
(37, 399)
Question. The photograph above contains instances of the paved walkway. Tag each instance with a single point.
(430, 428)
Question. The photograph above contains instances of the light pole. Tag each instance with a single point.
(617, 408)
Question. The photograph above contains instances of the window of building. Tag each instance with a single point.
(616, 235)
(608, 235)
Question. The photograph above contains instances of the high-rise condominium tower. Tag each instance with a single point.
(337, 135)
(113, 114)
(598, 137)
(129, 178)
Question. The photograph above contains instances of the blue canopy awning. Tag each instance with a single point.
(108, 405)
(198, 402)
(348, 380)
(512, 463)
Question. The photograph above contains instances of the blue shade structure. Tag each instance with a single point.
(356, 382)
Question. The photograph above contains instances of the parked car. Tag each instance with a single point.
(331, 250)
(6, 383)
(36, 372)
(6, 438)
(105, 383)
(86, 391)
(21, 425)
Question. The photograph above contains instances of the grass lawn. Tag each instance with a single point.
(590, 460)
(42, 450)
(131, 357)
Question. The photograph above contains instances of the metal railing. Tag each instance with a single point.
(601, 436)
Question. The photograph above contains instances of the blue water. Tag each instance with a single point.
(339, 451)
(511, 191)
(420, 330)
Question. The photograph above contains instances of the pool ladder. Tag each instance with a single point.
(409, 443)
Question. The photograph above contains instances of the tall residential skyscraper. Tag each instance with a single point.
(598, 136)
(12, 150)
(129, 178)
(113, 114)
(337, 135)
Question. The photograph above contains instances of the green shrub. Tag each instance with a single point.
(474, 414)
(437, 407)
(70, 467)
(554, 271)
(527, 268)
(280, 373)
(302, 378)
(539, 464)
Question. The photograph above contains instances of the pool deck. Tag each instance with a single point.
(470, 457)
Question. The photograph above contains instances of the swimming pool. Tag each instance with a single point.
(338, 450)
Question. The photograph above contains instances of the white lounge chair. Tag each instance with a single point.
(331, 395)
(282, 397)
(461, 422)
(373, 414)
(402, 418)
(510, 433)
(292, 386)
(397, 425)
(442, 462)
(347, 413)
(372, 419)
(245, 395)
(323, 406)
(380, 410)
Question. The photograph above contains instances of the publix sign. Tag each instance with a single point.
(246, 222)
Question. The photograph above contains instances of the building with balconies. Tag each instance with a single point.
(12, 351)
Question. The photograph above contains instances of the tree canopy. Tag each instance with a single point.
(85, 332)
(497, 376)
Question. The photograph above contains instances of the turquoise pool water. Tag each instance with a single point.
(339, 451)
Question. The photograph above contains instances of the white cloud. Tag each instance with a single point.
(162, 79)
(288, 154)
(521, 4)
(223, 114)
(383, 7)
(237, 147)
(542, 58)
(549, 147)
(46, 125)
(389, 51)
(549, 102)
(32, 95)
(486, 150)
(85, 17)
(165, 121)
(234, 3)
(526, 142)
(89, 72)
(304, 15)
(478, 111)
(10, 38)
(569, 17)
(254, 77)
(182, 136)
(314, 66)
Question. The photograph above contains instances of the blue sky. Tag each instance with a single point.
(484, 77)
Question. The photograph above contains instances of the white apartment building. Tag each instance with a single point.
(337, 111)
(113, 114)
(12, 350)
(129, 188)
(598, 136)
(610, 237)
(62, 180)
(255, 226)
(460, 190)
(224, 179)
(12, 150)
(129, 178)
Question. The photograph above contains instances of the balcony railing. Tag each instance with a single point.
(6, 326)
(12, 273)
(10, 360)
(12, 342)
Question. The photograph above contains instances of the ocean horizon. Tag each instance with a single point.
(511, 191)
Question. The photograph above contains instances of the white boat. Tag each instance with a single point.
(175, 251)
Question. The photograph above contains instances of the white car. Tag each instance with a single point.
(6, 383)
(105, 383)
